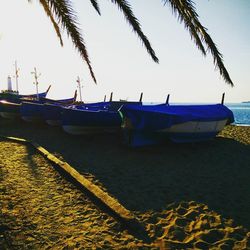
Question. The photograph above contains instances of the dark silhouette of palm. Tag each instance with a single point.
(61, 12)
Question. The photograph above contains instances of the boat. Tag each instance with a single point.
(10, 102)
(31, 111)
(9, 110)
(44, 110)
(15, 97)
(68, 101)
(154, 124)
(52, 109)
(51, 113)
(93, 118)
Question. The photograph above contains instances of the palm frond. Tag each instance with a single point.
(186, 12)
(96, 6)
(183, 17)
(50, 15)
(66, 16)
(125, 7)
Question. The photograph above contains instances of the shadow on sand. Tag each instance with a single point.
(215, 173)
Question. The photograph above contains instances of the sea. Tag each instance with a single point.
(241, 113)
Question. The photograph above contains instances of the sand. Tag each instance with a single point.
(184, 196)
(41, 210)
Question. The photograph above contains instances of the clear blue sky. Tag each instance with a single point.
(120, 62)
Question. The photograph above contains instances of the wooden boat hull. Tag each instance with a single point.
(9, 115)
(32, 112)
(90, 120)
(14, 97)
(84, 130)
(54, 122)
(9, 110)
(45, 110)
(181, 133)
(52, 114)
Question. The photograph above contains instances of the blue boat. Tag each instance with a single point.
(32, 111)
(52, 109)
(9, 110)
(10, 102)
(44, 110)
(154, 124)
(51, 113)
(68, 101)
(13, 96)
(93, 117)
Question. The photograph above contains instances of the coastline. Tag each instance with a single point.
(241, 125)
(185, 195)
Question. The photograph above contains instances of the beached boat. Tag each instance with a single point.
(51, 113)
(93, 117)
(9, 110)
(153, 124)
(10, 102)
(31, 111)
(90, 119)
(44, 110)
(13, 96)
(68, 101)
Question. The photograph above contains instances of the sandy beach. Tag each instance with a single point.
(185, 196)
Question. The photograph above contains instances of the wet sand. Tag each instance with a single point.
(185, 196)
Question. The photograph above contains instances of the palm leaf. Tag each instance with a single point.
(50, 15)
(183, 17)
(66, 16)
(96, 6)
(125, 7)
(186, 13)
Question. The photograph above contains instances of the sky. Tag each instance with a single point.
(120, 62)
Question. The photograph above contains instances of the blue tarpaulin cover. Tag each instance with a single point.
(156, 117)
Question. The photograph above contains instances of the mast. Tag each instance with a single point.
(140, 100)
(222, 99)
(167, 101)
(111, 97)
(36, 81)
(16, 76)
(80, 87)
